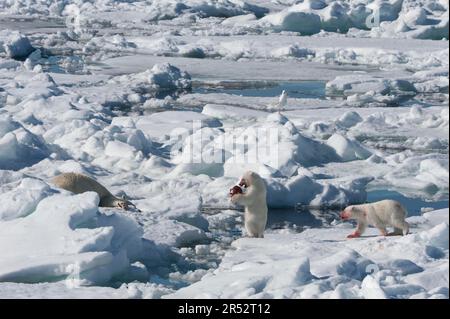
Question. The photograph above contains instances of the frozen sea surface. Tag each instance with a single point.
(127, 92)
(414, 206)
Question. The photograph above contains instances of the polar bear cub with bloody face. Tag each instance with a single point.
(379, 214)
(254, 200)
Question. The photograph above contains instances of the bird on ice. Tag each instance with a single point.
(282, 100)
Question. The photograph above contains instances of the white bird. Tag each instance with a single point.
(282, 101)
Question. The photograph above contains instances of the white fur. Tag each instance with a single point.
(254, 200)
(380, 215)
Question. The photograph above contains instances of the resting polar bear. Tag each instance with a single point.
(379, 214)
(79, 183)
(254, 200)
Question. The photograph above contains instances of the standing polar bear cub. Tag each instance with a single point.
(254, 200)
(379, 214)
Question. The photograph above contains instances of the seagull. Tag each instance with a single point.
(282, 100)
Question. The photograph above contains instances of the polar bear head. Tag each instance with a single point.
(252, 179)
(353, 212)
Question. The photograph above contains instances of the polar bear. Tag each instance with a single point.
(379, 214)
(254, 200)
(79, 183)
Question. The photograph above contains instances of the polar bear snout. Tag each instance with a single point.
(235, 190)
(345, 215)
(243, 183)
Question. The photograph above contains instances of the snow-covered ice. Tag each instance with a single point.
(321, 263)
(168, 103)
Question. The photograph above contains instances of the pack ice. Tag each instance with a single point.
(158, 100)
